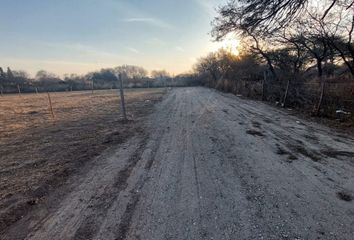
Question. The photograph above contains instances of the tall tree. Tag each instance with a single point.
(9, 75)
(2, 80)
(338, 28)
(2, 74)
(270, 15)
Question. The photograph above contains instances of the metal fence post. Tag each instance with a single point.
(122, 101)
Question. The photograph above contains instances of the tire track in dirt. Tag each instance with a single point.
(124, 225)
(121, 228)
(101, 204)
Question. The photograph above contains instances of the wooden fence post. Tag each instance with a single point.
(122, 102)
(263, 85)
(2, 90)
(93, 86)
(286, 94)
(19, 89)
(50, 105)
(322, 93)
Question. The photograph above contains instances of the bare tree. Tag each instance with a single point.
(131, 71)
(271, 15)
(2, 81)
(9, 75)
(160, 74)
(215, 65)
(45, 75)
(21, 74)
(290, 59)
(338, 29)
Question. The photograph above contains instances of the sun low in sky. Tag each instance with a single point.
(230, 43)
(85, 35)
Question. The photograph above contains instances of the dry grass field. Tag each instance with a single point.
(38, 152)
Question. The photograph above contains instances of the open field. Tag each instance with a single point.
(39, 153)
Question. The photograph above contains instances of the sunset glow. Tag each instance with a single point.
(230, 43)
(105, 34)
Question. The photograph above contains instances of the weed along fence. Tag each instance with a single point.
(338, 94)
(46, 101)
(69, 112)
(58, 106)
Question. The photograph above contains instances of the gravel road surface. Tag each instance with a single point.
(211, 166)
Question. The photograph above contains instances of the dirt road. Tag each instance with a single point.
(212, 166)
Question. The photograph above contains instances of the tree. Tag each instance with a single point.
(271, 15)
(21, 74)
(317, 47)
(218, 64)
(9, 75)
(263, 50)
(345, 48)
(160, 74)
(2, 80)
(209, 66)
(104, 75)
(43, 75)
(339, 30)
(131, 71)
(224, 70)
(2, 73)
(133, 74)
(75, 81)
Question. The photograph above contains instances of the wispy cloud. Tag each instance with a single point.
(133, 50)
(151, 21)
(180, 49)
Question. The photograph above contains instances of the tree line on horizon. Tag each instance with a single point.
(13, 81)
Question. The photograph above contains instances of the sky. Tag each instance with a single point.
(79, 36)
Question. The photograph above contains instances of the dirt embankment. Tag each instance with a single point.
(38, 154)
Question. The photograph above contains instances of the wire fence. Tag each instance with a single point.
(305, 94)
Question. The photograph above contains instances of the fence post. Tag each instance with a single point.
(93, 86)
(36, 90)
(286, 93)
(2, 90)
(19, 89)
(50, 105)
(122, 102)
(263, 85)
(322, 93)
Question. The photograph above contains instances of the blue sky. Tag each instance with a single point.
(78, 36)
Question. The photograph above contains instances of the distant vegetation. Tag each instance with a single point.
(134, 77)
(299, 53)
